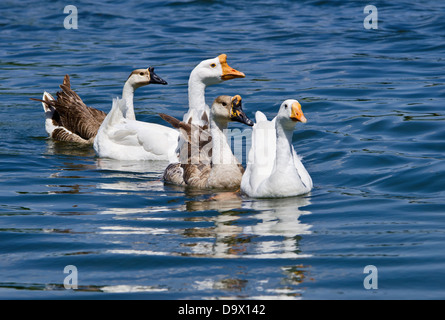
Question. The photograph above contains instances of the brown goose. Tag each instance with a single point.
(221, 170)
(69, 119)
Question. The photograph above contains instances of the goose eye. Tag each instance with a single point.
(224, 104)
(285, 106)
(141, 74)
(213, 65)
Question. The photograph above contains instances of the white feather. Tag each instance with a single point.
(264, 177)
(126, 139)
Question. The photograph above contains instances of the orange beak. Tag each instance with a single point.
(237, 97)
(297, 113)
(228, 72)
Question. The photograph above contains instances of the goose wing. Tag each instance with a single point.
(197, 175)
(264, 147)
(262, 152)
(196, 146)
(71, 113)
(154, 138)
(75, 115)
(99, 115)
(301, 169)
(195, 154)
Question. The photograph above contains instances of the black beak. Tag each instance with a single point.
(154, 78)
(237, 113)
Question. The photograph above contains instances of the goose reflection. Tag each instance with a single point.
(223, 226)
(69, 149)
(279, 216)
(69, 174)
(157, 167)
(241, 223)
(259, 229)
(227, 226)
(207, 200)
(131, 175)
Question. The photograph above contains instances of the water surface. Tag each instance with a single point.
(373, 144)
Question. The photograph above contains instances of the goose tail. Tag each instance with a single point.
(52, 117)
(67, 118)
(49, 109)
(53, 123)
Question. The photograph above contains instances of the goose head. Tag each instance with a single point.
(227, 108)
(290, 113)
(143, 77)
(214, 71)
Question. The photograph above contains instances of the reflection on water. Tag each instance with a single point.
(222, 201)
(69, 149)
(239, 228)
(132, 175)
(82, 288)
(271, 232)
(125, 186)
(131, 166)
(221, 226)
(280, 216)
(130, 288)
(289, 288)
(185, 222)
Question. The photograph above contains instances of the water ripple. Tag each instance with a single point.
(373, 145)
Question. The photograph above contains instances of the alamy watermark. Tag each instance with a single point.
(371, 280)
(71, 280)
(371, 21)
(199, 147)
(70, 21)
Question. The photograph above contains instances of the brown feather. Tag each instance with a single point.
(172, 120)
(61, 134)
(194, 167)
(75, 115)
(174, 174)
(71, 113)
(66, 81)
(196, 175)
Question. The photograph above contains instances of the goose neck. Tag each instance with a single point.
(284, 146)
(196, 92)
(221, 151)
(128, 94)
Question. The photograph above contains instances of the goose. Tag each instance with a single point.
(274, 169)
(123, 138)
(69, 119)
(223, 171)
(207, 72)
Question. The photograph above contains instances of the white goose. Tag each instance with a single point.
(69, 119)
(274, 169)
(223, 171)
(206, 73)
(122, 138)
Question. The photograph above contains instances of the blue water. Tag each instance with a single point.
(373, 144)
